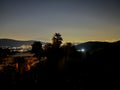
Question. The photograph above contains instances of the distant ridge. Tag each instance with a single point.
(90, 45)
(94, 45)
(15, 43)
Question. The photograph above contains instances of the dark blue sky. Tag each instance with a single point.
(76, 20)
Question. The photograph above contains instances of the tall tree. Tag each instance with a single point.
(57, 40)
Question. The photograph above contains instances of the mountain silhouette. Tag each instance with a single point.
(92, 45)
(15, 43)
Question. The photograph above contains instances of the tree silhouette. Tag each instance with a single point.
(53, 54)
(37, 49)
(57, 40)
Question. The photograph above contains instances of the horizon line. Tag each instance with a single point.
(63, 41)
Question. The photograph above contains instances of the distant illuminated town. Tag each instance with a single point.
(23, 48)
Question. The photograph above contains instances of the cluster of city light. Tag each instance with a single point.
(22, 48)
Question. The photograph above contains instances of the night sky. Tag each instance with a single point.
(76, 20)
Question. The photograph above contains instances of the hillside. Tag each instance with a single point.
(90, 46)
(14, 43)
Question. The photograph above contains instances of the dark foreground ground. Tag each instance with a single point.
(85, 76)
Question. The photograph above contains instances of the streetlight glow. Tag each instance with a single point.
(82, 50)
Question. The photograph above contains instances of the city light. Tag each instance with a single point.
(82, 50)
